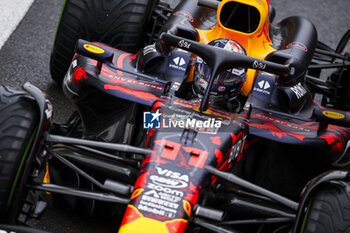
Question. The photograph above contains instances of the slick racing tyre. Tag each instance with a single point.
(119, 23)
(18, 122)
(328, 211)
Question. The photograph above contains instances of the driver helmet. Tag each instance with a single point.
(227, 83)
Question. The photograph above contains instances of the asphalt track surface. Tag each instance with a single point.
(11, 15)
(25, 58)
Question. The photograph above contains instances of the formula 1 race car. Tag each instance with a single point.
(194, 119)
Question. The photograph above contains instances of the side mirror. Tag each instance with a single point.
(95, 52)
(329, 116)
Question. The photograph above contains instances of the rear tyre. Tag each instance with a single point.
(329, 210)
(119, 23)
(18, 122)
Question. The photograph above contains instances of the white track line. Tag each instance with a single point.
(11, 14)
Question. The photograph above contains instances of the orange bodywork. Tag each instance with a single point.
(135, 222)
(257, 44)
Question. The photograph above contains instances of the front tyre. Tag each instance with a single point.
(119, 23)
(329, 210)
(18, 122)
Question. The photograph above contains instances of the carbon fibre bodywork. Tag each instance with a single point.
(173, 179)
(206, 165)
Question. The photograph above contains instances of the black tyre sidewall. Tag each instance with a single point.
(124, 28)
(328, 208)
(18, 123)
